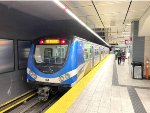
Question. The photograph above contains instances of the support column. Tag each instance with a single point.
(138, 43)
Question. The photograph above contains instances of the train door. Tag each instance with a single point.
(100, 53)
(92, 56)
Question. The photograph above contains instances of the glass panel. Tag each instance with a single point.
(6, 55)
(85, 54)
(50, 54)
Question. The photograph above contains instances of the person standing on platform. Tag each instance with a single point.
(119, 57)
(123, 56)
(116, 52)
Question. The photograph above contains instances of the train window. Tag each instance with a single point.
(63, 52)
(47, 54)
(97, 52)
(90, 52)
(85, 49)
(85, 54)
(59, 51)
(90, 49)
(50, 54)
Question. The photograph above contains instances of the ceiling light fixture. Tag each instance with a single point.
(59, 4)
(128, 24)
(78, 20)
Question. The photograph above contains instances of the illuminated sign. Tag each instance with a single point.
(52, 41)
(127, 42)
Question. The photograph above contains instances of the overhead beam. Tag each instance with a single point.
(97, 13)
(127, 11)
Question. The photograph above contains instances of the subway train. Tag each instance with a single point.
(61, 61)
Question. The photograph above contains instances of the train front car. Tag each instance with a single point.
(52, 64)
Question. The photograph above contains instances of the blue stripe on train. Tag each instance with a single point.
(71, 80)
(30, 78)
(74, 78)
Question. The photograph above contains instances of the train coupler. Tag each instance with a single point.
(43, 93)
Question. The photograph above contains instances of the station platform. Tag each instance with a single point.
(110, 90)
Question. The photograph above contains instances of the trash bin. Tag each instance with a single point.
(137, 70)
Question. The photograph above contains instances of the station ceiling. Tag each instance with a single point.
(43, 9)
(113, 13)
(116, 15)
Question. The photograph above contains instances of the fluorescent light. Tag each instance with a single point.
(78, 20)
(59, 4)
(128, 24)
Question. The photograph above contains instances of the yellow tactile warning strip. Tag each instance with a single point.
(63, 104)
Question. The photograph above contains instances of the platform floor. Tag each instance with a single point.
(112, 90)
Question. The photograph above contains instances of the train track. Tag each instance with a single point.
(16, 101)
(41, 106)
(35, 106)
(29, 103)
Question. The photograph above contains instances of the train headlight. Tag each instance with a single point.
(64, 77)
(32, 74)
(61, 78)
(67, 76)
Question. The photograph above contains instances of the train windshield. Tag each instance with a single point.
(50, 54)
